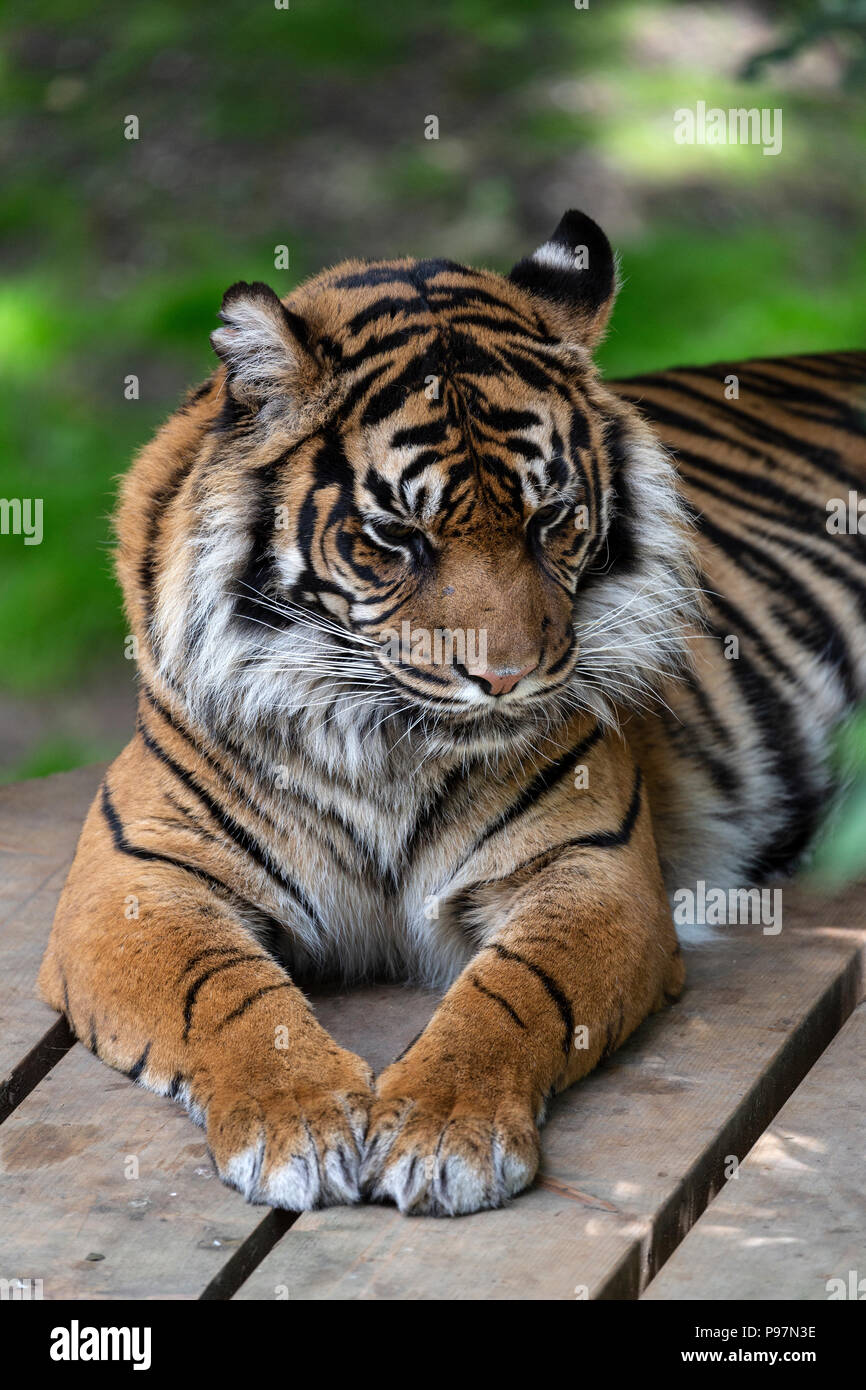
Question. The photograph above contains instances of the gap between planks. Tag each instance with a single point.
(58, 807)
(362, 1239)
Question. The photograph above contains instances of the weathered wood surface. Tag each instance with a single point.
(630, 1156)
(107, 1192)
(40, 822)
(794, 1218)
(69, 1146)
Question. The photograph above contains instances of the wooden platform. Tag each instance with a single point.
(761, 1061)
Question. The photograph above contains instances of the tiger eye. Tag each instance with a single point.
(394, 530)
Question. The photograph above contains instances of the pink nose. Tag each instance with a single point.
(501, 682)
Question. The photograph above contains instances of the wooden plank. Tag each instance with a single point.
(793, 1218)
(74, 1219)
(631, 1155)
(175, 1231)
(64, 1157)
(377, 1021)
(40, 822)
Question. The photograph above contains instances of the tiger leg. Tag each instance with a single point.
(579, 962)
(162, 979)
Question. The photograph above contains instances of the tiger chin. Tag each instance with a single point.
(414, 447)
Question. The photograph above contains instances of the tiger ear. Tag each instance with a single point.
(574, 275)
(265, 347)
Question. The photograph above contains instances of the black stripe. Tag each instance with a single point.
(234, 830)
(620, 542)
(122, 845)
(796, 395)
(776, 716)
(507, 324)
(830, 366)
(390, 397)
(594, 839)
(320, 815)
(497, 999)
(432, 432)
(410, 1044)
(825, 641)
(384, 308)
(503, 419)
(138, 1067)
(708, 712)
(541, 784)
(791, 504)
(828, 546)
(408, 334)
(198, 984)
(193, 396)
(358, 391)
(550, 985)
(469, 293)
(740, 624)
(613, 839)
(257, 577)
(235, 752)
(187, 819)
(159, 505)
(822, 458)
(687, 739)
(252, 999)
(381, 273)
(439, 802)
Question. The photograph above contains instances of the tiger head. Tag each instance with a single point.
(406, 500)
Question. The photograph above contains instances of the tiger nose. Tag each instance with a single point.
(499, 681)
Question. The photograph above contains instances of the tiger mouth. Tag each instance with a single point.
(462, 703)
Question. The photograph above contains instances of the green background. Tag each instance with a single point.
(304, 127)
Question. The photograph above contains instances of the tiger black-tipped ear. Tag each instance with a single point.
(264, 346)
(574, 275)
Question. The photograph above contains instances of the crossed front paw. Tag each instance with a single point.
(441, 1154)
(436, 1150)
(298, 1146)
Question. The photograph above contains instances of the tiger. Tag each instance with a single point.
(671, 631)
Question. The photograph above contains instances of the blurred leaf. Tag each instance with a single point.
(840, 857)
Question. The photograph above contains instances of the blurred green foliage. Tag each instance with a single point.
(840, 853)
(304, 127)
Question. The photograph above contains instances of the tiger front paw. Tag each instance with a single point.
(446, 1155)
(298, 1147)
